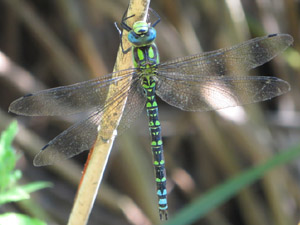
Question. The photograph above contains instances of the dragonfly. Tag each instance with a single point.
(202, 82)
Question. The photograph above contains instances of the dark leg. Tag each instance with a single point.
(124, 18)
(121, 42)
(157, 16)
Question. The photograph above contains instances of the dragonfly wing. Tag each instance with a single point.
(134, 106)
(194, 93)
(78, 138)
(230, 61)
(82, 135)
(69, 99)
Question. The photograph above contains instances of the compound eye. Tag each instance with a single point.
(140, 27)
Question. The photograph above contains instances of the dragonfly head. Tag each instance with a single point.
(141, 34)
(140, 27)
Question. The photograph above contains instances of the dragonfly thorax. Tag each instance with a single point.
(145, 58)
(142, 34)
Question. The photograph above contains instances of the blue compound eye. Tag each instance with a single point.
(140, 27)
(143, 38)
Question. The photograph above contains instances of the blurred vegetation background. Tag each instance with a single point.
(51, 43)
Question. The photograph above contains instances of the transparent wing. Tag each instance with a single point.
(230, 61)
(82, 135)
(76, 139)
(196, 93)
(134, 106)
(66, 100)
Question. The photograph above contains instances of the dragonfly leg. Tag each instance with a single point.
(157, 16)
(124, 18)
(121, 42)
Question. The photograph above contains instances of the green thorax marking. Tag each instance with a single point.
(146, 58)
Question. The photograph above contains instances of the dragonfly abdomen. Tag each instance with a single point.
(149, 85)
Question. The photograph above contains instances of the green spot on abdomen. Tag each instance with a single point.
(160, 180)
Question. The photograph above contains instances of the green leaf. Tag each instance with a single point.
(8, 157)
(13, 195)
(8, 135)
(217, 196)
(34, 186)
(19, 219)
(22, 192)
(9, 191)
